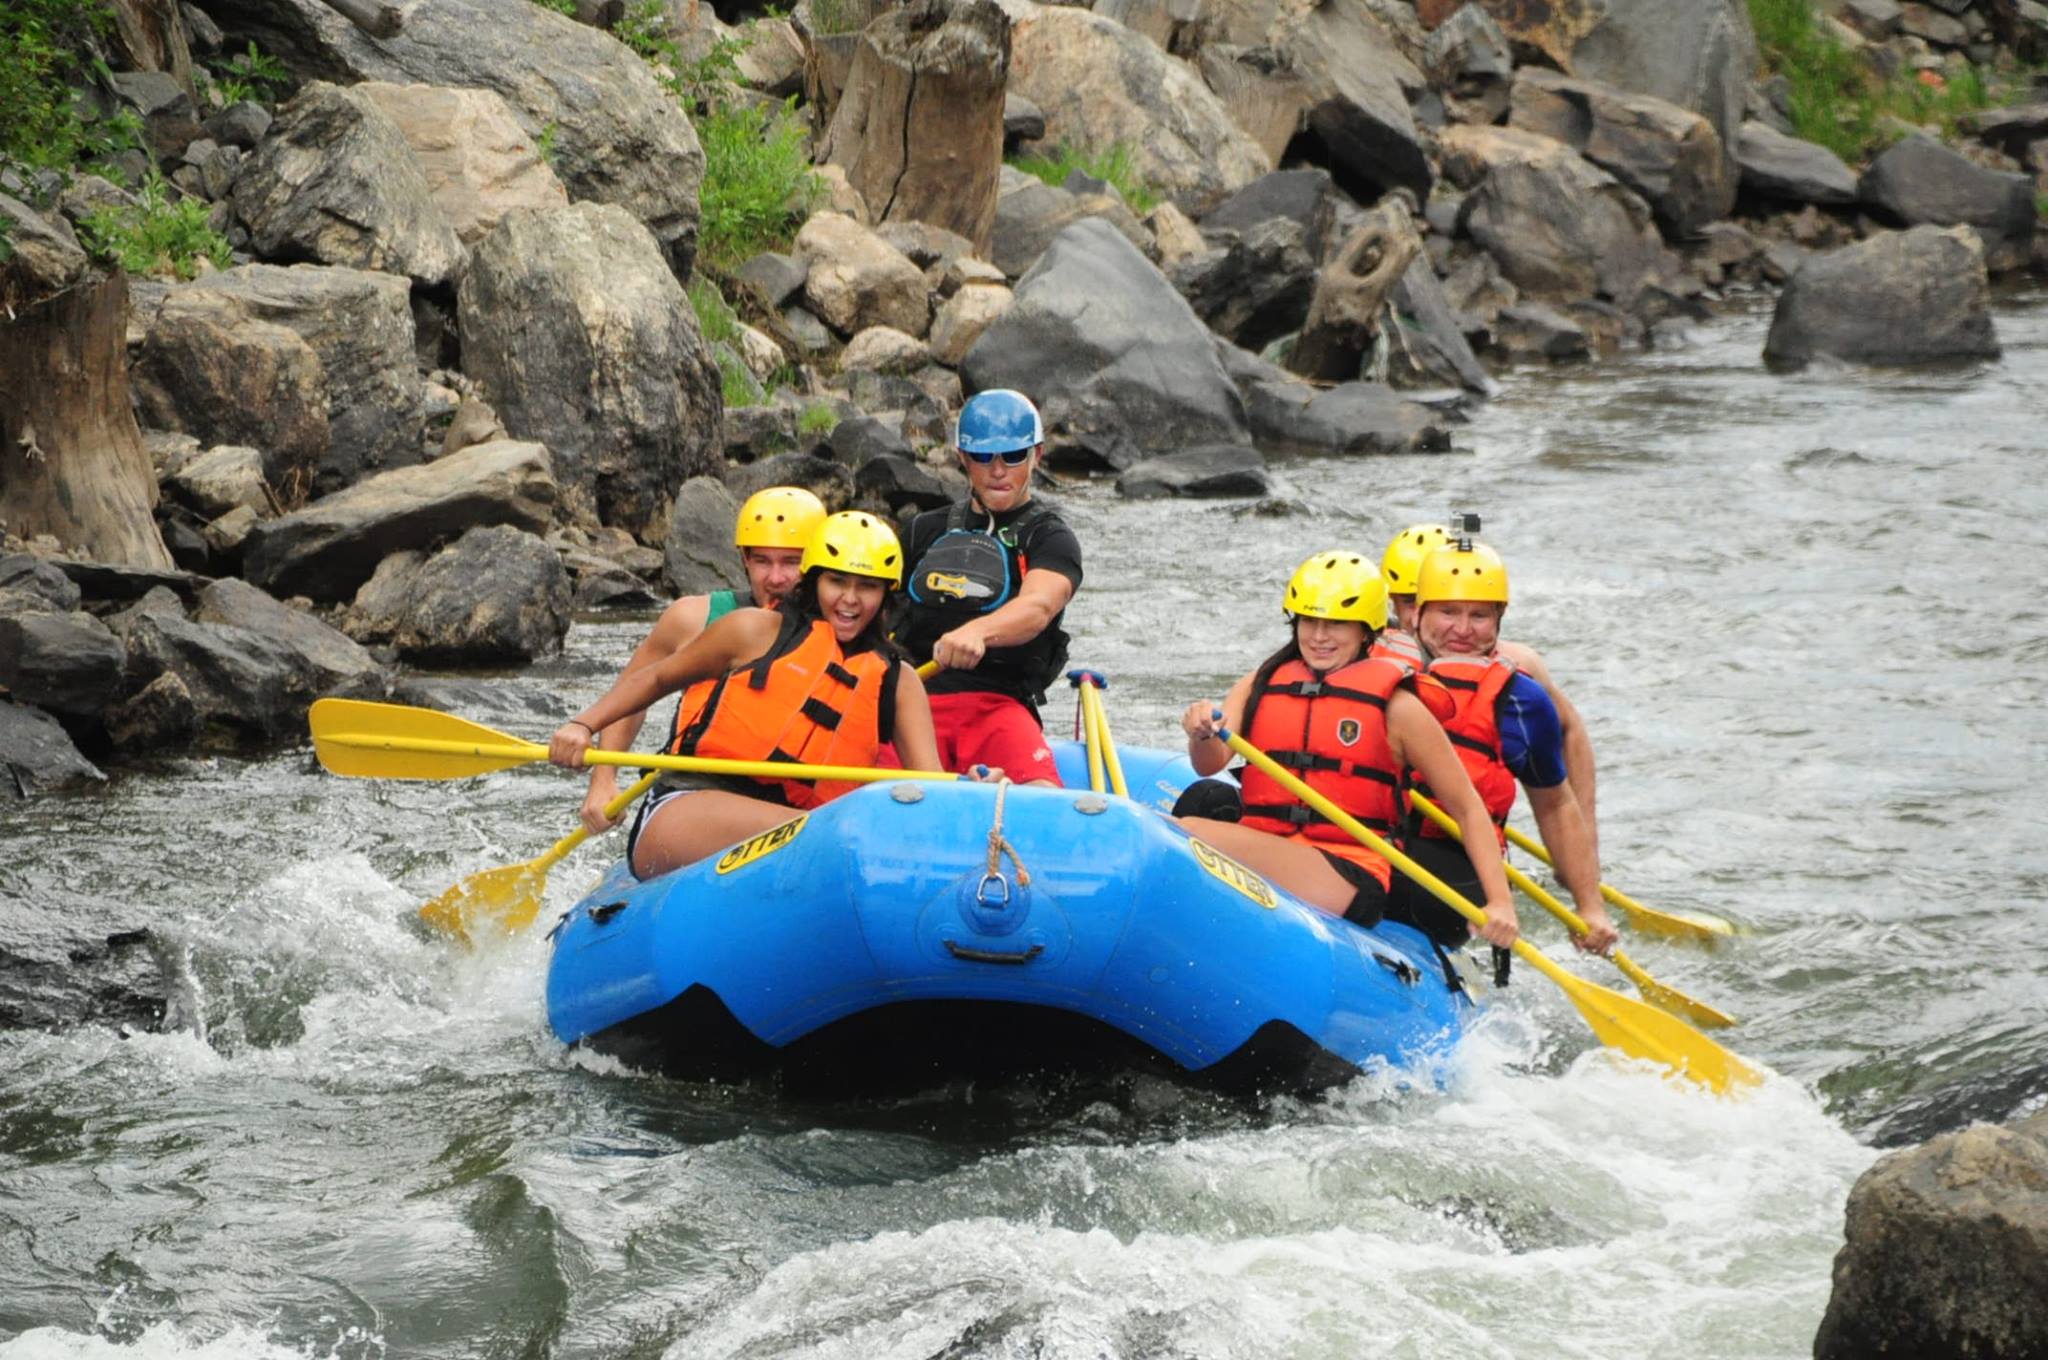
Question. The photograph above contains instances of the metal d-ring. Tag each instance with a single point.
(981, 892)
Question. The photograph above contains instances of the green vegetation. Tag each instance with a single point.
(567, 7)
(1113, 165)
(831, 18)
(544, 145)
(817, 420)
(758, 183)
(6, 239)
(46, 46)
(156, 235)
(720, 327)
(1837, 98)
(253, 75)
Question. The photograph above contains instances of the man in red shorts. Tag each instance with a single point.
(989, 583)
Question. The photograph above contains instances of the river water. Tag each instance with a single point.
(1803, 617)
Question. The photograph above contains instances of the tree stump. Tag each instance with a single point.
(72, 463)
(1351, 292)
(919, 129)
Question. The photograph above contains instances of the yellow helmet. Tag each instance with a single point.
(1402, 562)
(1463, 573)
(858, 544)
(779, 517)
(1338, 585)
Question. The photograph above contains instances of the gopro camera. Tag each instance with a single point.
(1463, 524)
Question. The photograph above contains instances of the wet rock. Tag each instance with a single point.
(1531, 330)
(854, 279)
(329, 549)
(1213, 470)
(1784, 168)
(619, 137)
(1350, 418)
(698, 549)
(1898, 298)
(1099, 84)
(37, 755)
(585, 342)
(161, 716)
(333, 181)
(71, 959)
(497, 595)
(477, 162)
(65, 663)
(358, 324)
(1117, 360)
(1919, 181)
(1669, 155)
(1946, 1251)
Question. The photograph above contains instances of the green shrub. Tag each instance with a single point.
(817, 420)
(1113, 165)
(758, 183)
(156, 236)
(45, 48)
(253, 75)
(715, 318)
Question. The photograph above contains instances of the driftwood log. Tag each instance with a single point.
(919, 128)
(373, 17)
(1347, 313)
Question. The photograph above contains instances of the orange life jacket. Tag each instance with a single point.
(1331, 731)
(1474, 730)
(803, 700)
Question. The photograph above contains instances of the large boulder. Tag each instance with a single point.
(1558, 224)
(1100, 84)
(1897, 298)
(1669, 155)
(334, 182)
(1116, 359)
(1918, 181)
(329, 549)
(698, 550)
(357, 322)
(618, 136)
(497, 595)
(1030, 212)
(854, 279)
(1213, 470)
(478, 162)
(37, 755)
(1268, 240)
(586, 343)
(1946, 1250)
(63, 661)
(1289, 416)
(1779, 167)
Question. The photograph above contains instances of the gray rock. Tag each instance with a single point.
(242, 684)
(1468, 51)
(1256, 286)
(1117, 360)
(1292, 417)
(1432, 347)
(1306, 198)
(38, 580)
(1670, 156)
(322, 652)
(698, 550)
(810, 334)
(2013, 131)
(497, 595)
(241, 124)
(774, 277)
(829, 481)
(618, 136)
(1212, 470)
(1874, 19)
(169, 119)
(573, 323)
(898, 479)
(38, 756)
(66, 663)
(756, 432)
(334, 181)
(103, 583)
(1532, 330)
(1023, 121)
(221, 479)
(855, 441)
(1918, 181)
(1030, 213)
(1932, 26)
(1946, 1250)
(1783, 168)
(1897, 298)
(329, 549)
(162, 716)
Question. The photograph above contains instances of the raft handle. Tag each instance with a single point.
(971, 955)
(599, 915)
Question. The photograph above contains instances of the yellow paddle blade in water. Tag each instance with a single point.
(510, 896)
(1695, 926)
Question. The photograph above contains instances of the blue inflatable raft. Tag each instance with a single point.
(866, 945)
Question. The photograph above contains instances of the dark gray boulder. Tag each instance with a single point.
(1292, 417)
(697, 549)
(1946, 1250)
(1214, 470)
(1305, 197)
(496, 596)
(45, 581)
(1530, 330)
(1785, 169)
(328, 549)
(1897, 298)
(327, 656)
(1255, 286)
(896, 481)
(1030, 213)
(37, 755)
(583, 338)
(65, 663)
(830, 481)
(1117, 360)
(854, 441)
(1918, 181)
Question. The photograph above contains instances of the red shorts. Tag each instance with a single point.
(978, 728)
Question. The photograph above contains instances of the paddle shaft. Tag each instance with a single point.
(1101, 746)
(526, 753)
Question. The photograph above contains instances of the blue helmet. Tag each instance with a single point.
(998, 421)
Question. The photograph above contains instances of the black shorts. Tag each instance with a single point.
(676, 783)
(1414, 905)
(1368, 898)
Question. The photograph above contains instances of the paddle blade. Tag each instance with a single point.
(392, 741)
(1669, 998)
(504, 900)
(1696, 927)
(1645, 1032)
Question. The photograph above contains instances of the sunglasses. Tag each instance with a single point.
(1010, 457)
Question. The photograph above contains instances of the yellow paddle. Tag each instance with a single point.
(1692, 925)
(1618, 1021)
(1655, 992)
(392, 741)
(1102, 756)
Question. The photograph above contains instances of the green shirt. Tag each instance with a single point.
(723, 602)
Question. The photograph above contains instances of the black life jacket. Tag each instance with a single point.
(968, 572)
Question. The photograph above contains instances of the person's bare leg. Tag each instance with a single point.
(1290, 864)
(686, 829)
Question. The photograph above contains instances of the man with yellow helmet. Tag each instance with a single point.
(1349, 722)
(772, 529)
(1401, 565)
(816, 681)
(1506, 732)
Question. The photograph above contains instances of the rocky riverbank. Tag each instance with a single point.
(461, 363)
